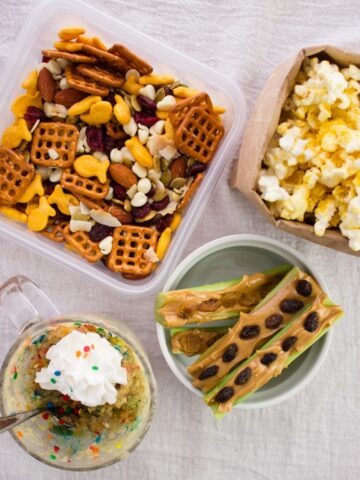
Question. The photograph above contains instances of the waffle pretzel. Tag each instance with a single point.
(84, 186)
(84, 84)
(199, 135)
(127, 254)
(100, 75)
(80, 241)
(55, 229)
(180, 110)
(61, 137)
(192, 189)
(15, 176)
(133, 61)
(72, 57)
(107, 57)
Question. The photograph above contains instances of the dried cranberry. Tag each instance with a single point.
(224, 394)
(110, 98)
(268, 358)
(161, 204)
(166, 88)
(243, 376)
(311, 322)
(33, 114)
(196, 168)
(110, 143)
(230, 353)
(288, 343)
(146, 102)
(99, 232)
(141, 212)
(49, 187)
(309, 218)
(45, 59)
(152, 191)
(163, 222)
(273, 321)
(145, 118)
(250, 331)
(291, 305)
(94, 138)
(304, 288)
(119, 191)
(208, 372)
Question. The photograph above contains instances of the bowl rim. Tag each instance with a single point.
(275, 246)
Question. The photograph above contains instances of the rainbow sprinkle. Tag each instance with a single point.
(78, 353)
(52, 457)
(52, 380)
(95, 367)
(19, 434)
(57, 373)
(86, 349)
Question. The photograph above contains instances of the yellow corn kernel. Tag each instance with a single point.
(15, 134)
(185, 92)
(70, 33)
(88, 166)
(154, 79)
(83, 106)
(100, 113)
(122, 110)
(131, 85)
(175, 222)
(169, 130)
(163, 243)
(139, 152)
(218, 109)
(85, 40)
(13, 213)
(162, 115)
(68, 46)
(39, 216)
(30, 83)
(97, 43)
(35, 188)
(21, 104)
(62, 200)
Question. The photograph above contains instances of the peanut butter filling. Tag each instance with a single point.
(269, 362)
(249, 333)
(183, 307)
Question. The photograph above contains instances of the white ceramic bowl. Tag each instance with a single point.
(227, 258)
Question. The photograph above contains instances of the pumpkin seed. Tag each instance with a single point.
(117, 201)
(135, 104)
(160, 94)
(176, 84)
(148, 217)
(127, 162)
(127, 205)
(157, 163)
(26, 156)
(166, 177)
(159, 195)
(165, 164)
(191, 162)
(178, 182)
(72, 119)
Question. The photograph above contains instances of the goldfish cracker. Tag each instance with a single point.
(97, 43)
(131, 85)
(13, 214)
(139, 152)
(70, 33)
(39, 216)
(68, 46)
(31, 205)
(155, 79)
(162, 115)
(83, 106)
(169, 130)
(99, 114)
(62, 200)
(218, 109)
(175, 222)
(35, 188)
(185, 92)
(23, 102)
(15, 134)
(88, 166)
(30, 83)
(163, 243)
(85, 40)
(121, 110)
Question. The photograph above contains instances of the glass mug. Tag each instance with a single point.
(28, 317)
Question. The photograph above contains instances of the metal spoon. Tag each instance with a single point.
(11, 421)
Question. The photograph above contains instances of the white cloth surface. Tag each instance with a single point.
(314, 435)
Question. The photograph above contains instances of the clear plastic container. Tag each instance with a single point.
(40, 32)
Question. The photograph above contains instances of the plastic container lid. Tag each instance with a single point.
(40, 32)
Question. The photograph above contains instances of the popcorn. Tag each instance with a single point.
(312, 164)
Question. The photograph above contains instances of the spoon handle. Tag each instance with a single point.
(6, 423)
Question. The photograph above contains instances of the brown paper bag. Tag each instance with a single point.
(260, 129)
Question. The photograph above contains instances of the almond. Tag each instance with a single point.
(123, 216)
(46, 85)
(69, 96)
(177, 168)
(122, 175)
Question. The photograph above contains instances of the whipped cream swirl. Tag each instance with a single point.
(84, 366)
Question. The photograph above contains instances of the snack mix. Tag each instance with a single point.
(276, 316)
(104, 155)
(311, 170)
